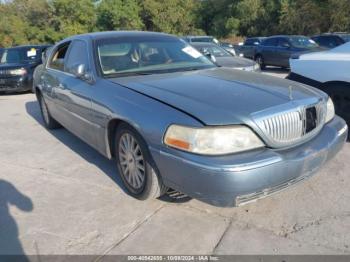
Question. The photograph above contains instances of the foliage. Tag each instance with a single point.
(119, 15)
(48, 21)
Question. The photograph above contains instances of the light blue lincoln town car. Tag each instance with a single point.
(170, 118)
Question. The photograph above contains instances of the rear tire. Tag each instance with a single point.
(260, 60)
(136, 166)
(49, 121)
(340, 94)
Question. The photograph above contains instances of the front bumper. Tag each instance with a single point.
(16, 84)
(237, 179)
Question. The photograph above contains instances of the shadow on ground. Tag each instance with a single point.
(9, 237)
(92, 156)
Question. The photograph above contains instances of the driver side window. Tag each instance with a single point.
(57, 60)
(78, 55)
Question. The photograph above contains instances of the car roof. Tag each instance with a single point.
(113, 34)
(198, 36)
(333, 34)
(204, 44)
(257, 37)
(285, 36)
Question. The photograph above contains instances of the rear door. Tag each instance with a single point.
(77, 93)
(283, 52)
(52, 80)
(248, 49)
(269, 51)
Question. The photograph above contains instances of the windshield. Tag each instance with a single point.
(214, 50)
(20, 55)
(147, 56)
(302, 42)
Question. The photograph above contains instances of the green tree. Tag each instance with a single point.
(119, 14)
(176, 16)
(304, 17)
(72, 17)
(340, 15)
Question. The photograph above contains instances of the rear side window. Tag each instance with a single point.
(78, 54)
(57, 59)
(270, 42)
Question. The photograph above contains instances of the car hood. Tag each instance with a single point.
(331, 55)
(218, 96)
(235, 62)
(12, 66)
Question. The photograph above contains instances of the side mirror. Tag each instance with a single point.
(210, 56)
(80, 71)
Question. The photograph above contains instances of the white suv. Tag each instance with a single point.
(328, 71)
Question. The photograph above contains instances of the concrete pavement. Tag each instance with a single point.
(59, 196)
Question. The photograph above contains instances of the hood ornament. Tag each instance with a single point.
(290, 92)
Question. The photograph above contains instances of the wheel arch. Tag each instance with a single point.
(112, 126)
(37, 91)
(257, 54)
(333, 83)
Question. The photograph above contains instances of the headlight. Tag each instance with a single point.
(330, 110)
(212, 140)
(18, 72)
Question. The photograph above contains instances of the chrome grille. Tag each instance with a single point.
(285, 127)
(290, 126)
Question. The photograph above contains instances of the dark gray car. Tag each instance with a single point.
(224, 58)
(248, 49)
(171, 118)
(277, 50)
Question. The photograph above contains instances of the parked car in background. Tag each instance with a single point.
(17, 65)
(331, 40)
(277, 50)
(223, 58)
(203, 38)
(171, 118)
(328, 71)
(248, 48)
(228, 47)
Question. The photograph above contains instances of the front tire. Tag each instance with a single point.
(260, 60)
(49, 121)
(136, 166)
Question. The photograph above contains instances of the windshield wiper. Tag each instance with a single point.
(128, 74)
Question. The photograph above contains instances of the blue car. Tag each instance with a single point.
(170, 118)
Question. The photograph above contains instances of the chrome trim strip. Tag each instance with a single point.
(343, 130)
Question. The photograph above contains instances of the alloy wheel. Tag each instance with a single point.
(131, 161)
